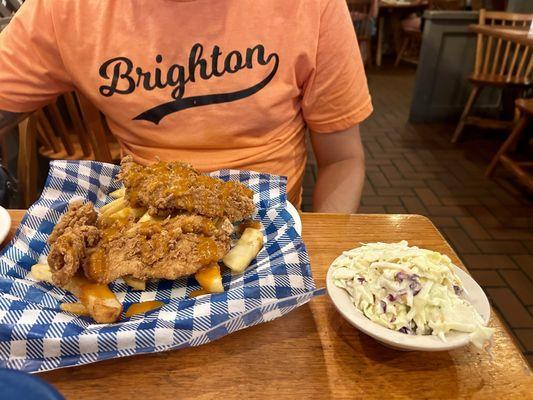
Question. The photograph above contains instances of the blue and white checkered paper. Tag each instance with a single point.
(35, 335)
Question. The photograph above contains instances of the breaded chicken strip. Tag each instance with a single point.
(78, 214)
(166, 187)
(161, 249)
(73, 234)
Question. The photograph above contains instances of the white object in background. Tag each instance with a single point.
(5, 223)
(530, 34)
(296, 216)
(401, 341)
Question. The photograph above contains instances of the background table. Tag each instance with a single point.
(312, 353)
(396, 11)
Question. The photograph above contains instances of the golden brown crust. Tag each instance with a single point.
(168, 249)
(167, 187)
(77, 215)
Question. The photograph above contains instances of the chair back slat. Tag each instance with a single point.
(13, 5)
(95, 129)
(47, 130)
(529, 68)
(505, 57)
(496, 56)
(513, 62)
(77, 123)
(27, 160)
(512, 65)
(60, 128)
(4, 11)
(520, 71)
(43, 138)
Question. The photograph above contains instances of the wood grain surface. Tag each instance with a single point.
(312, 353)
(515, 34)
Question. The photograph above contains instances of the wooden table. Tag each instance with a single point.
(517, 35)
(395, 11)
(312, 353)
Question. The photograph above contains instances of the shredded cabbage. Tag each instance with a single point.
(408, 289)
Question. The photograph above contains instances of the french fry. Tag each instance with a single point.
(75, 308)
(41, 272)
(134, 283)
(143, 307)
(210, 279)
(100, 302)
(246, 249)
(196, 293)
(128, 212)
(113, 207)
(146, 217)
(118, 193)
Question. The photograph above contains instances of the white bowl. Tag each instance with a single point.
(401, 341)
(5, 223)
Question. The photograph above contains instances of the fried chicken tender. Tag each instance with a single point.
(69, 241)
(167, 187)
(77, 215)
(168, 249)
(159, 249)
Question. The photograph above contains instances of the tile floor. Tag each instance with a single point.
(413, 168)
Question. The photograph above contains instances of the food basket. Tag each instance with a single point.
(35, 335)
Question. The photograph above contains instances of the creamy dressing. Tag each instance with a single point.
(408, 289)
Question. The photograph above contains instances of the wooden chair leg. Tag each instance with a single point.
(468, 107)
(515, 134)
(27, 161)
(369, 47)
(379, 50)
(403, 49)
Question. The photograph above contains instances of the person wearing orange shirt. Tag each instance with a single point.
(218, 84)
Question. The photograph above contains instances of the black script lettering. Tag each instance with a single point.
(123, 80)
(145, 77)
(156, 114)
(177, 80)
(238, 62)
(260, 56)
(195, 60)
(157, 73)
(122, 67)
(214, 62)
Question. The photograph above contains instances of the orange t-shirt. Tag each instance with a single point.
(217, 83)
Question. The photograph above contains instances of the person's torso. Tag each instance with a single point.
(217, 83)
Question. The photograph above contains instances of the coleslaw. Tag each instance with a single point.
(408, 289)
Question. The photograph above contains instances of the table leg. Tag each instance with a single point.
(397, 33)
(380, 40)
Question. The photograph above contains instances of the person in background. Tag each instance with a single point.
(218, 84)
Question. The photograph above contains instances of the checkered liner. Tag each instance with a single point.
(35, 335)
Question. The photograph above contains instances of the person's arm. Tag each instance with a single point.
(8, 120)
(341, 171)
(335, 101)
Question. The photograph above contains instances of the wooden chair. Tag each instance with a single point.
(519, 169)
(71, 128)
(412, 38)
(10, 7)
(362, 9)
(499, 63)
